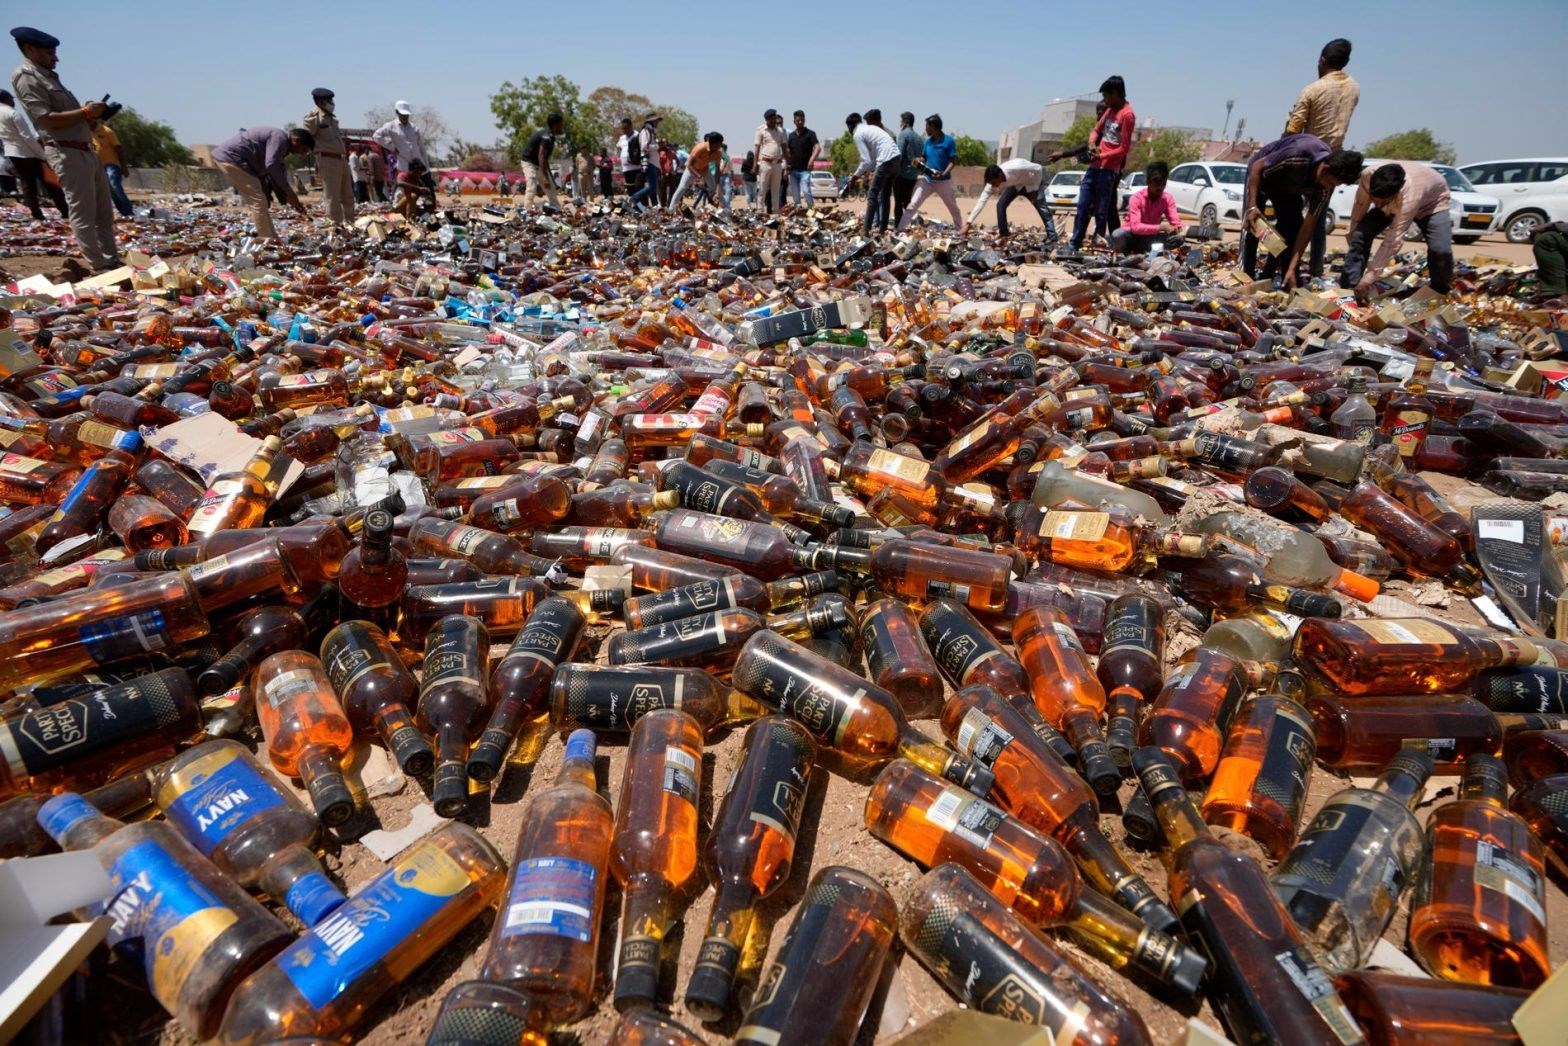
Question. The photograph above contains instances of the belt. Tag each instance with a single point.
(331, 156)
(78, 146)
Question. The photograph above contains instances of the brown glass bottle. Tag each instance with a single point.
(21, 835)
(1402, 655)
(897, 658)
(1478, 913)
(698, 598)
(712, 639)
(1278, 492)
(84, 506)
(654, 854)
(1066, 690)
(491, 552)
(501, 604)
(994, 962)
(933, 823)
(1534, 754)
(1036, 787)
(1418, 1011)
(525, 502)
(922, 571)
(521, 680)
(1364, 733)
(454, 699)
(843, 710)
(1232, 584)
(1544, 806)
(759, 549)
(142, 522)
(377, 690)
(818, 987)
(237, 500)
(1263, 981)
(374, 573)
(580, 547)
(1421, 548)
(748, 851)
(258, 633)
(31, 481)
(1259, 787)
(307, 732)
(1190, 717)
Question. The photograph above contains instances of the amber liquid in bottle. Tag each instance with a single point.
(1402, 655)
(1419, 1011)
(307, 732)
(748, 851)
(654, 854)
(86, 503)
(1478, 914)
(521, 680)
(1066, 690)
(1364, 733)
(1194, 709)
(1544, 806)
(898, 659)
(377, 691)
(610, 698)
(454, 699)
(373, 575)
(1260, 785)
(237, 500)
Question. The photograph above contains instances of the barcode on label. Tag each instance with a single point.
(681, 758)
(545, 912)
(944, 812)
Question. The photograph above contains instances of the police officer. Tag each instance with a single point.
(68, 145)
(337, 183)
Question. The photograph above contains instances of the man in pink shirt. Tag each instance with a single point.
(1151, 216)
(1390, 198)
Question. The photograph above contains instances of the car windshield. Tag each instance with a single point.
(1230, 174)
(1068, 178)
(1456, 181)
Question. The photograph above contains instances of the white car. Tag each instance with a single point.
(1129, 185)
(1474, 214)
(1534, 192)
(1062, 190)
(1210, 192)
(823, 185)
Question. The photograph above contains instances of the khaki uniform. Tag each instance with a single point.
(69, 151)
(332, 164)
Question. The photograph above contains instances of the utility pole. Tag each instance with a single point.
(1230, 103)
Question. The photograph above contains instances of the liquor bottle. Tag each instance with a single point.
(1544, 806)
(748, 851)
(377, 690)
(524, 502)
(898, 660)
(454, 701)
(656, 569)
(1395, 1010)
(1087, 540)
(703, 491)
(932, 823)
(782, 496)
(258, 633)
(992, 439)
(257, 569)
(759, 549)
(491, 552)
(1036, 787)
(610, 699)
(82, 510)
(1222, 452)
(92, 737)
(227, 807)
(502, 604)
(1264, 983)
(521, 680)
(712, 639)
(649, 1028)
(1364, 733)
(654, 854)
(540, 966)
(737, 590)
(1066, 690)
(820, 984)
(1421, 548)
(1342, 880)
(1278, 492)
(1132, 649)
(1233, 585)
(1402, 655)
(1354, 420)
(1293, 558)
(969, 655)
(1529, 688)
(1193, 711)
(580, 547)
(1478, 912)
(994, 962)
(22, 836)
(843, 710)
(1534, 754)
(922, 571)
(198, 932)
(31, 481)
(307, 732)
(142, 522)
(322, 984)
(374, 573)
(1406, 418)
(1259, 787)
(237, 500)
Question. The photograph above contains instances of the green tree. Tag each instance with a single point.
(970, 152)
(1077, 134)
(1418, 144)
(521, 109)
(148, 143)
(682, 128)
(1173, 147)
(843, 154)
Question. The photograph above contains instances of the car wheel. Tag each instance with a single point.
(1522, 226)
(1210, 215)
(1465, 241)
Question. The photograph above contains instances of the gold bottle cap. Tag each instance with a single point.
(666, 499)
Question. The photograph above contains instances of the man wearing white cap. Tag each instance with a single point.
(399, 136)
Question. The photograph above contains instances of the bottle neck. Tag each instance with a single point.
(1178, 815)
(1485, 780)
(1502, 651)
(1404, 778)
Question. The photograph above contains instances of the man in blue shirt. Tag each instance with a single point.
(936, 170)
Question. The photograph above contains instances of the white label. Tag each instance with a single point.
(1503, 530)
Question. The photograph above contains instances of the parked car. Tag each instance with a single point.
(1062, 190)
(824, 186)
(1474, 214)
(1531, 191)
(1129, 185)
(1210, 192)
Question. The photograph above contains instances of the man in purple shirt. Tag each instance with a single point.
(1288, 172)
(257, 153)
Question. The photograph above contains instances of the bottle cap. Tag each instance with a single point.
(313, 898)
(713, 979)
(63, 812)
(1357, 586)
(449, 793)
(412, 752)
(636, 984)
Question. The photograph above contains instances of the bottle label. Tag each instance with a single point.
(552, 625)
(898, 467)
(346, 661)
(97, 434)
(287, 686)
(1441, 749)
(680, 773)
(465, 539)
(1343, 849)
(1066, 636)
(981, 740)
(967, 440)
(965, 815)
(483, 483)
(1315, 985)
(1287, 761)
(819, 709)
(330, 959)
(172, 913)
(18, 465)
(60, 734)
(207, 568)
(507, 513)
(107, 641)
(1074, 526)
(1409, 430)
(554, 896)
(450, 658)
(1129, 632)
(222, 791)
(959, 648)
(1500, 869)
(1416, 631)
(598, 702)
(989, 975)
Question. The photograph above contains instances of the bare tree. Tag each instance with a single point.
(433, 128)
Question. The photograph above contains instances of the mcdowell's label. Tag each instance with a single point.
(1408, 631)
(1074, 526)
(898, 467)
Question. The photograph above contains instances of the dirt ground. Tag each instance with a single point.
(833, 832)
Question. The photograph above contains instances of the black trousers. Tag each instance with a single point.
(1437, 229)
(903, 190)
(1287, 222)
(879, 195)
(1012, 193)
(29, 176)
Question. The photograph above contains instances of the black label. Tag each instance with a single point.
(1287, 762)
(770, 786)
(682, 638)
(988, 974)
(958, 643)
(52, 737)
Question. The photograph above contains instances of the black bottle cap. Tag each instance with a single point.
(484, 762)
(449, 793)
(712, 981)
(1098, 768)
(1139, 821)
(413, 753)
(1187, 975)
(333, 801)
(636, 984)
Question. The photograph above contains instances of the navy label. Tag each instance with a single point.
(552, 895)
(225, 791)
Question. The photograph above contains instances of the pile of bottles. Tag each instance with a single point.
(1054, 578)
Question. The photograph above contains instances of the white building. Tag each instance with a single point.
(1039, 138)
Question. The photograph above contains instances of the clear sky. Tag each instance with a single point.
(1490, 77)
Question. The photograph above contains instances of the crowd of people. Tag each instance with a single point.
(60, 149)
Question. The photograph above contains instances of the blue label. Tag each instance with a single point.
(331, 957)
(552, 895)
(221, 800)
(154, 893)
(313, 898)
(124, 637)
(580, 745)
(74, 495)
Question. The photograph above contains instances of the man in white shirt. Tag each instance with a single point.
(647, 154)
(769, 144)
(26, 153)
(879, 159)
(1017, 177)
(359, 172)
(402, 137)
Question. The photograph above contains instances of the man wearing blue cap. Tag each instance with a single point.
(62, 124)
